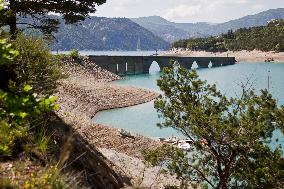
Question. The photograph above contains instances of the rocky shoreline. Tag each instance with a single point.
(88, 90)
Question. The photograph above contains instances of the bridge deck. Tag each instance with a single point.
(123, 65)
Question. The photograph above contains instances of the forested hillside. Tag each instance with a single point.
(264, 38)
(99, 33)
(171, 31)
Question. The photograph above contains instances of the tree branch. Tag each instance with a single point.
(203, 176)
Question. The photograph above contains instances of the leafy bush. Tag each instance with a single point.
(22, 113)
(6, 52)
(35, 65)
(74, 53)
(61, 57)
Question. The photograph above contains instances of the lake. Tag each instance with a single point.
(142, 119)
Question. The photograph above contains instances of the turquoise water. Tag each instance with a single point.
(143, 118)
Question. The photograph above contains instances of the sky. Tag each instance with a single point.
(215, 11)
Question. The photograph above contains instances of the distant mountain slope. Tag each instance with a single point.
(171, 31)
(161, 27)
(264, 38)
(260, 19)
(99, 33)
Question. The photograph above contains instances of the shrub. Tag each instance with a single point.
(21, 114)
(74, 53)
(35, 65)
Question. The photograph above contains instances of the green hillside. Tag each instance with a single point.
(264, 38)
(171, 31)
(99, 33)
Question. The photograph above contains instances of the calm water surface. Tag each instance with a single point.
(143, 118)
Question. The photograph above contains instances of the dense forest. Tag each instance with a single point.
(264, 38)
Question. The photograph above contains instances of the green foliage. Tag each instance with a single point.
(24, 116)
(35, 65)
(48, 177)
(276, 22)
(72, 11)
(42, 142)
(51, 178)
(6, 52)
(231, 135)
(61, 57)
(21, 115)
(2, 5)
(6, 184)
(8, 136)
(74, 53)
(269, 38)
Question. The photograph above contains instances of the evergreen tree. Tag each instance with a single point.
(72, 11)
(230, 136)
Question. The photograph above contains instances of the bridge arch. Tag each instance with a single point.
(155, 62)
(194, 65)
(210, 65)
(154, 67)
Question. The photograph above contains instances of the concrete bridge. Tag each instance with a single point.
(123, 65)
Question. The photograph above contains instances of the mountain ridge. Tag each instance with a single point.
(101, 33)
(176, 31)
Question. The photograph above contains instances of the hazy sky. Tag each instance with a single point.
(187, 10)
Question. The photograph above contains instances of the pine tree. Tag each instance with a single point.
(72, 12)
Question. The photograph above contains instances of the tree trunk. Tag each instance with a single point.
(12, 20)
(223, 183)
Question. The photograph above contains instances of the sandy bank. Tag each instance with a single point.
(241, 56)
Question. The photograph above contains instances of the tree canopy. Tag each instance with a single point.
(231, 136)
(71, 10)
